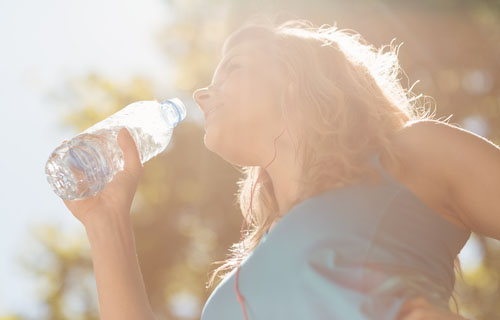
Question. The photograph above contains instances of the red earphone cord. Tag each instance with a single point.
(241, 299)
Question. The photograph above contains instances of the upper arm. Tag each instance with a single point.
(469, 166)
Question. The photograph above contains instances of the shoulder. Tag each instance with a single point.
(421, 158)
(462, 168)
(424, 136)
(433, 128)
(442, 150)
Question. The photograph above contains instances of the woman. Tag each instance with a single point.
(357, 200)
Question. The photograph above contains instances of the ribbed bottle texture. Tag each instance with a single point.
(82, 166)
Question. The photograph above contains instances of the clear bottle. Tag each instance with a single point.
(82, 166)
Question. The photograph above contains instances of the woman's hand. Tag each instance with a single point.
(421, 309)
(117, 195)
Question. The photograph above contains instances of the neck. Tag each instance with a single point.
(284, 172)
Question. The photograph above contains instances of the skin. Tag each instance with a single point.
(454, 171)
(106, 218)
(246, 117)
(420, 175)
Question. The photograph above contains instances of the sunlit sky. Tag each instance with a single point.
(43, 43)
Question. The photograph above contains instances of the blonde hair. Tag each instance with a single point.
(346, 103)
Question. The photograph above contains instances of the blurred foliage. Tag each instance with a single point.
(63, 264)
(479, 287)
(184, 212)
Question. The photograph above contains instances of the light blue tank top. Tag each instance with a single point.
(356, 252)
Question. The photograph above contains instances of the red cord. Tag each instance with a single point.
(241, 299)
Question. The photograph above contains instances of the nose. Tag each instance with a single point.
(201, 97)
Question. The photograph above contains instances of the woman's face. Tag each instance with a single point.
(242, 105)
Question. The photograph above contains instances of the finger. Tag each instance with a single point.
(132, 161)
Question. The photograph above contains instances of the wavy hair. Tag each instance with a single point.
(345, 103)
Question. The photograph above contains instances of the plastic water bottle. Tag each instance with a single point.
(82, 166)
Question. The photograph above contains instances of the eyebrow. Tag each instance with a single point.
(224, 65)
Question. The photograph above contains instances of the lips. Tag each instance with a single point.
(210, 110)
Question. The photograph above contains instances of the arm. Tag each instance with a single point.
(121, 291)
(106, 217)
(468, 165)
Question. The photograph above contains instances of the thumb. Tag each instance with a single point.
(132, 162)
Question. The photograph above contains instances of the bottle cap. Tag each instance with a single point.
(177, 104)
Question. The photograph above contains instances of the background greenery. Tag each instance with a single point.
(184, 213)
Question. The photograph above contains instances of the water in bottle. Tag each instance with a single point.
(81, 167)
